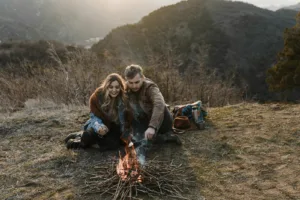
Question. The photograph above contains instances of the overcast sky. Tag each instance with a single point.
(122, 4)
(259, 3)
(264, 3)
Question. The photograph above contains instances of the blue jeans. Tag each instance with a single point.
(94, 123)
(90, 135)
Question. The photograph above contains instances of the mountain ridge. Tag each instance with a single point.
(226, 36)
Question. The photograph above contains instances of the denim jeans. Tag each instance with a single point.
(90, 135)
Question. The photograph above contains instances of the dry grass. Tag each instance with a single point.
(33, 162)
(71, 80)
(249, 151)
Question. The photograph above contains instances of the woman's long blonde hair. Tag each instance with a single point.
(109, 104)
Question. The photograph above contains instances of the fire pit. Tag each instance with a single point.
(128, 179)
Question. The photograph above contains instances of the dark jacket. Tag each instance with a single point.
(152, 102)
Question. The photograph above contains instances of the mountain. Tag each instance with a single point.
(68, 21)
(229, 37)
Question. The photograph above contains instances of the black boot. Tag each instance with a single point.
(73, 136)
(75, 143)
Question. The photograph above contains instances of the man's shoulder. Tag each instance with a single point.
(151, 88)
(149, 83)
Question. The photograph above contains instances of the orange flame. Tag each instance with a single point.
(128, 166)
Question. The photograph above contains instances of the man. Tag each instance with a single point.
(152, 119)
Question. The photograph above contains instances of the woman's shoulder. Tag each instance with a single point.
(97, 94)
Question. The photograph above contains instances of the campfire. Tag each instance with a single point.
(127, 179)
(128, 166)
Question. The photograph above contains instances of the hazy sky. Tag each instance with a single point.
(116, 5)
(264, 3)
(259, 3)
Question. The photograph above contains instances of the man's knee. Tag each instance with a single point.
(167, 122)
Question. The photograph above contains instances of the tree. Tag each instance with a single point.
(285, 74)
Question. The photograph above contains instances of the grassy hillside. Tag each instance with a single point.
(248, 151)
(47, 70)
(68, 74)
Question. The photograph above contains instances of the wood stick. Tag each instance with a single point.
(158, 178)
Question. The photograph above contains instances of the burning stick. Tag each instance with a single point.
(128, 167)
(130, 144)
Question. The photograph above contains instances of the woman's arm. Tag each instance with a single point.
(95, 105)
(95, 109)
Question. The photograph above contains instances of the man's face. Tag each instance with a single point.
(135, 83)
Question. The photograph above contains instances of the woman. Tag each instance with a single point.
(106, 123)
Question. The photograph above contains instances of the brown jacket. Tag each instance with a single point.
(95, 107)
(124, 113)
(152, 102)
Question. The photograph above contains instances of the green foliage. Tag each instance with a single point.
(285, 74)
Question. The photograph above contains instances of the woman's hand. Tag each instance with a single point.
(103, 130)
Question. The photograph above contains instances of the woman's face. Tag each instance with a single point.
(114, 89)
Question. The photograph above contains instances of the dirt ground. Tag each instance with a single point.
(248, 151)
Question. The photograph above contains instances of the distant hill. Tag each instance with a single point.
(68, 21)
(230, 37)
(35, 52)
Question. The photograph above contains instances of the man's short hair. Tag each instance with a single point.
(132, 70)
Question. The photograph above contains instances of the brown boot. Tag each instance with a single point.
(168, 137)
(171, 137)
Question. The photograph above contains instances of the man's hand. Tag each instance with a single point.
(149, 133)
(103, 130)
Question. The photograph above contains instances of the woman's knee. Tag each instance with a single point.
(89, 137)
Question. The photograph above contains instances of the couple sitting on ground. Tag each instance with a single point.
(134, 110)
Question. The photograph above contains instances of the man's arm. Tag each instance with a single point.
(157, 116)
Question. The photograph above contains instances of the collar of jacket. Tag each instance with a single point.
(146, 83)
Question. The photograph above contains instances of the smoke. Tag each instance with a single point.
(141, 146)
(141, 155)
